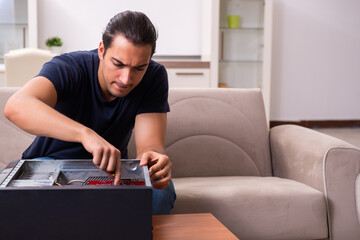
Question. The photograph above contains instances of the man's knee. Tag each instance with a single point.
(163, 200)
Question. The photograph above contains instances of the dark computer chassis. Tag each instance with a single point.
(73, 199)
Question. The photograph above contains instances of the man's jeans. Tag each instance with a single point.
(162, 199)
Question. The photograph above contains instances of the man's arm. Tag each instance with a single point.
(32, 109)
(150, 129)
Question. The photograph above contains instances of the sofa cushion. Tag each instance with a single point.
(256, 207)
(13, 140)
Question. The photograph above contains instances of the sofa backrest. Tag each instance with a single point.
(217, 132)
(210, 132)
(13, 140)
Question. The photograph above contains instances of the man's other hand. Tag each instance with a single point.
(159, 168)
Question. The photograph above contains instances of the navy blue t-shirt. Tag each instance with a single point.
(75, 77)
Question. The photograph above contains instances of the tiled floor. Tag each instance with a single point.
(350, 135)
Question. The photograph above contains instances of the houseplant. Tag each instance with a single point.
(54, 44)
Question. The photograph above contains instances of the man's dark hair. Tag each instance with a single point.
(135, 26)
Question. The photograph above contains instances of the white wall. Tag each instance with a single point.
(316, 60)
(315, 55)
(80, 23)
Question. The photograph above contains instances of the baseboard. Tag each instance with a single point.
(319, 123)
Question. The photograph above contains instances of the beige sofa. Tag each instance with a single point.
(286, 183)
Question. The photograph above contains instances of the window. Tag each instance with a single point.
(13, 26)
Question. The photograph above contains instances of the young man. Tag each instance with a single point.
(85, 105)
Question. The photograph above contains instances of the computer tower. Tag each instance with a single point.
(73, 199)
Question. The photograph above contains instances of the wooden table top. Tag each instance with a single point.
(203, 226)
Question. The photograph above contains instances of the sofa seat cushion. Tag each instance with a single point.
(256, 207)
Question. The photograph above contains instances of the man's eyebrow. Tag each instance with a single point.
(143, 65)
(120, 62)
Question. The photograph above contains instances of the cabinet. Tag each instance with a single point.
(188, 77)
(242, 53)
(187, 73)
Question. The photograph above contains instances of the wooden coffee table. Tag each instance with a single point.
(189, 226)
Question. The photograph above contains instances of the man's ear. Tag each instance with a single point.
(101, 50)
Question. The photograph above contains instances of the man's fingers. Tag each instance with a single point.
(166, 171)
(161, 164)
(115, 154)
(145, 158)
(160, 168)
(118, 172)
(143, 162)
(161, 183)
(105, 156)
(97, 156)
(105, 160)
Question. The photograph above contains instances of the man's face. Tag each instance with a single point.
(122, 67)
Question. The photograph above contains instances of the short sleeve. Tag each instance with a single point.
(62, 74)
(156, 92)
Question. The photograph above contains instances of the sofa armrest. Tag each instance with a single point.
(327, 164)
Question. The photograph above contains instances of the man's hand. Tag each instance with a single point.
(105, 156)
(159, 168)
